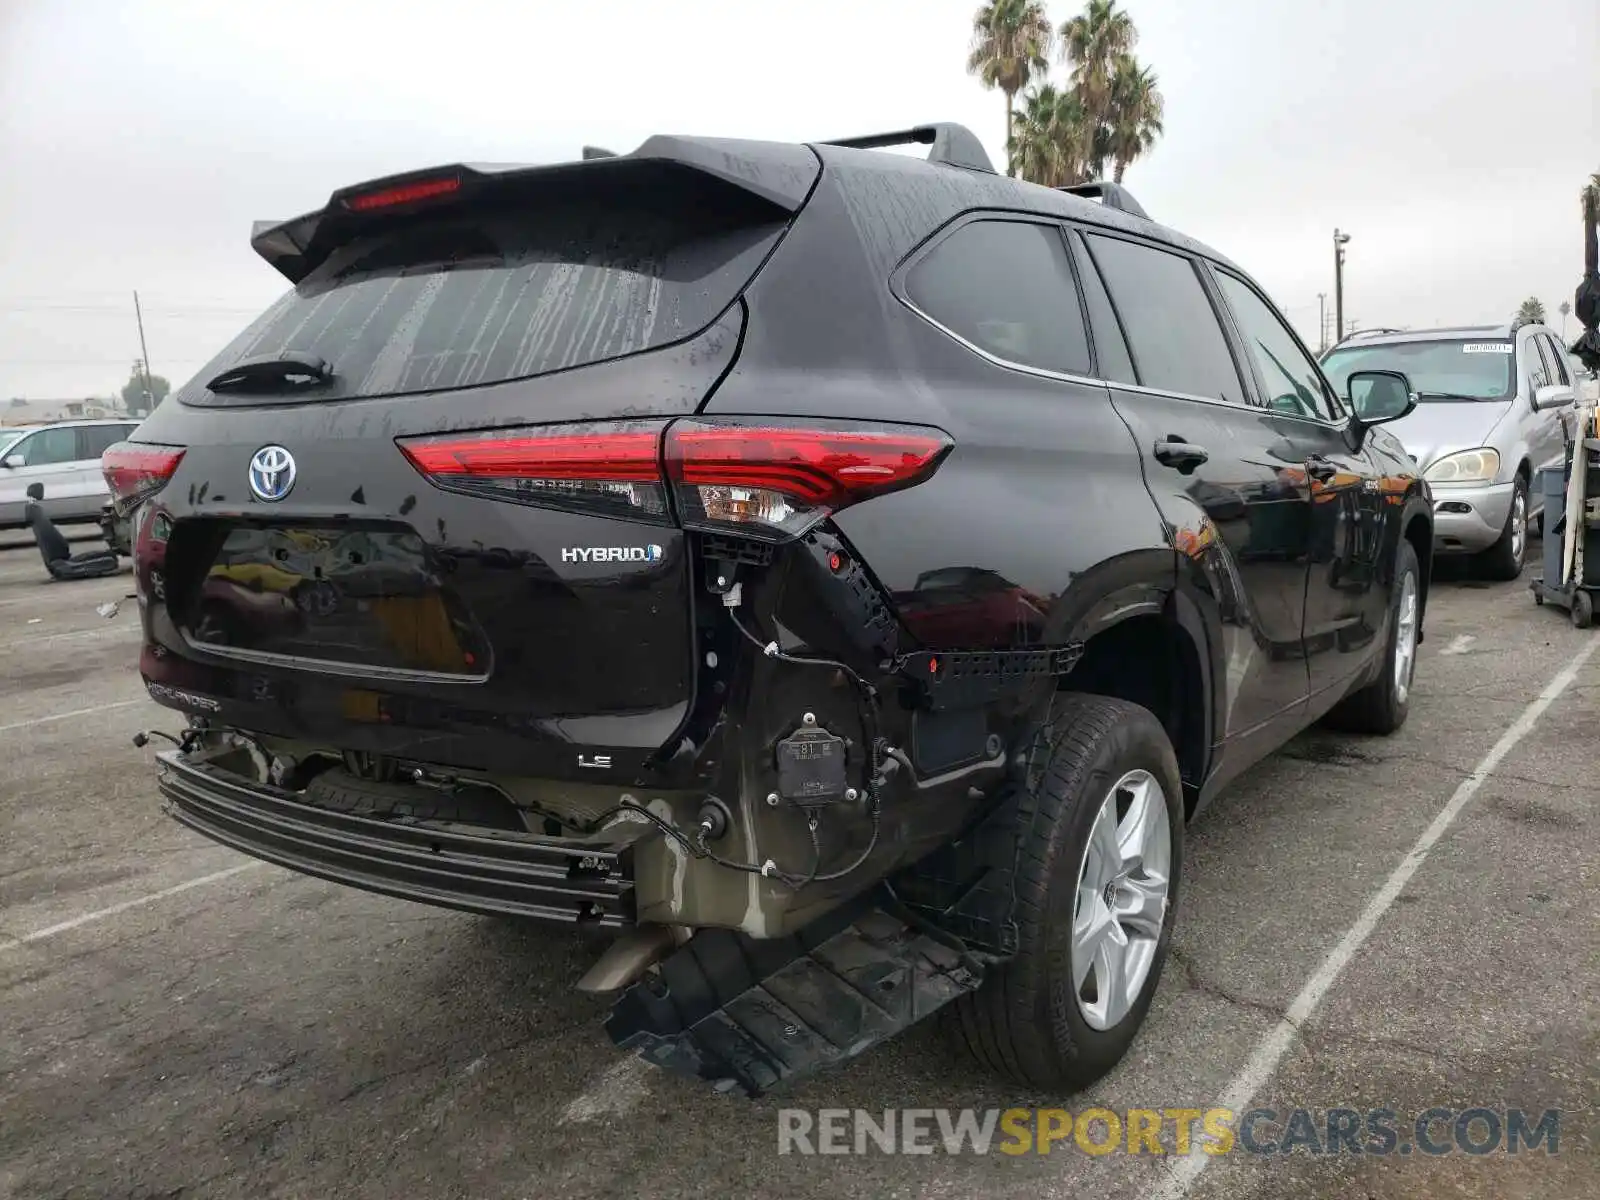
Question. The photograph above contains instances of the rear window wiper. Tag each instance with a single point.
(271, 372)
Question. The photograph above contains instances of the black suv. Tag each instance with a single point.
(840, 574)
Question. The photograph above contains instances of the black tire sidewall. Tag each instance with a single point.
(1501, 558)
(1134, 740)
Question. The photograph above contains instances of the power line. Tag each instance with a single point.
(122, 310)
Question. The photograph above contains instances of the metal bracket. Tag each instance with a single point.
(949, 679)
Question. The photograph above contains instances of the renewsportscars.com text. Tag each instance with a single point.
(1178, 1131)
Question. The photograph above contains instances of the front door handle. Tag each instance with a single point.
(1173, 451)
(1320, 468)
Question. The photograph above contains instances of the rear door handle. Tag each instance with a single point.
(1173, 451)
(1320, 468)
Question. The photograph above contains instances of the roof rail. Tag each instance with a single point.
(953, 145)
(1112, 195)
(1374, 331)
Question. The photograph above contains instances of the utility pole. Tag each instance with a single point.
(1339, 241)
(144, 357)
(1322, 322)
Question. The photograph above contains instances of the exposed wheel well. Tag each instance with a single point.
(1151, 661)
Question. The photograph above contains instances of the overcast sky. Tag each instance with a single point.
(140, 138)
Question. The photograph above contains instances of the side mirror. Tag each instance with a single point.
(15, 460)
(1552, 395)
(1378, 397)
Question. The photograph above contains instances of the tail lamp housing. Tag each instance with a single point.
(136, 471)
(762, 478)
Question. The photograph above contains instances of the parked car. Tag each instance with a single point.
(1496, 406)
(65, 458)
(853, 573)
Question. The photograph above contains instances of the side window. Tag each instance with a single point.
(1173, 335)
(1006, 287)
(1539, 374)
(1111, 349)
(97, 439)
(49, 447)
(1556, 360)
(1292, 381)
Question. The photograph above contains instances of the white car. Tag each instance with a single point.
(65, 459)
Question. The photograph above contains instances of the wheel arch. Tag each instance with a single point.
(1155, 646)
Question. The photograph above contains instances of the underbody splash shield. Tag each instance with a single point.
(750, 1015)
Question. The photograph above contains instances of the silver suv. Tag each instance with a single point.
(1496, 407)
(65, 459)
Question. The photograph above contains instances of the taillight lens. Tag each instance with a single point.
(749, 476)
(606, 469)
(405, 193)
(773, 482)
(135, 471)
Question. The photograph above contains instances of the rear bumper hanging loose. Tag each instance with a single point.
(492, 871)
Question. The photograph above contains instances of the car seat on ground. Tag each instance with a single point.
(57, 552)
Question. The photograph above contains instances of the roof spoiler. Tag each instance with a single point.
(779, 175)
(1112, 195)
(953, 145)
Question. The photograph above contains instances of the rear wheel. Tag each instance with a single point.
(1382, 705)
(1099, 861)
(1505, 559)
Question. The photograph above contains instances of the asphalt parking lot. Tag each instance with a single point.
(179, 1021)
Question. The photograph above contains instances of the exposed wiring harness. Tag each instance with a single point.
(869, 724)
(700, 846)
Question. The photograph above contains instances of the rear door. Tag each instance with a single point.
(93, 441)
(1216, 466)
(1346, 604)
(459, 547)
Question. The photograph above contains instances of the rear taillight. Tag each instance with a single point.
(755, 477)
(135, 471)
(608, 470)
(774, 482)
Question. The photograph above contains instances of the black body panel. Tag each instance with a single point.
(584, 657)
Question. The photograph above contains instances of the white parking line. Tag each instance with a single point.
(1458, 645)
(1272, 1048)
(49, 931)
(76, 712)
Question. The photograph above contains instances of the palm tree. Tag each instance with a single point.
(1011, 42)
(1092, 43)
(1049, 142)
(1564, 309)
(1531, 312)
(1136, 112)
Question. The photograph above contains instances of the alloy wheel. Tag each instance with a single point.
(1120, 908)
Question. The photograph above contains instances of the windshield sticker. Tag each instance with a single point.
(1486, 348)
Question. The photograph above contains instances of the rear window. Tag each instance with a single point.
(1005, 286)
(511, 293)
(1438, 371)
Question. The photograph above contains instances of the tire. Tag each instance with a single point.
(1505, 559)
(1027, 1022)
(1382, 706)
(1582, 610)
